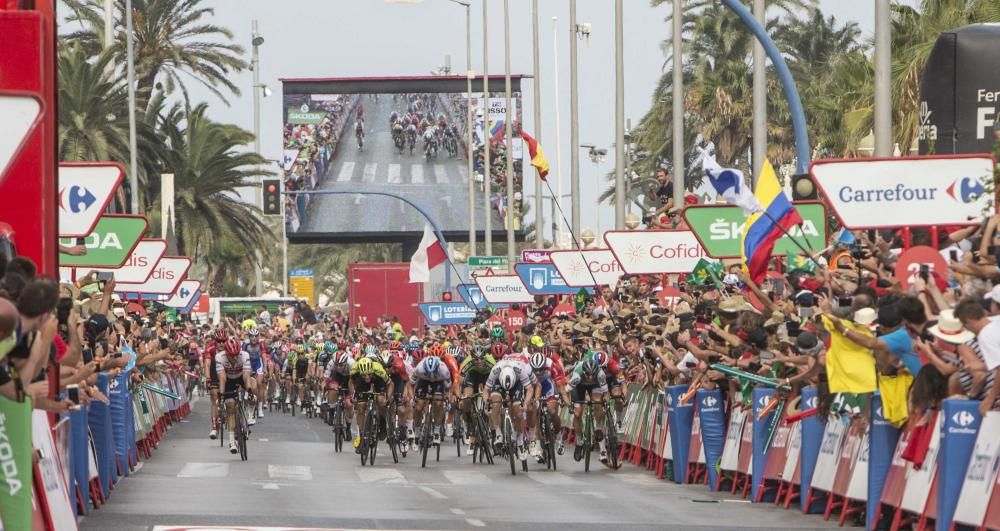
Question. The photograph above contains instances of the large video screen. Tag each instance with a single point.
(406, 137)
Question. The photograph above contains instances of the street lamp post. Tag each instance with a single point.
(509, 128)
(574, 127)
(539, 239)
(133, 165)
(597, 156)
(256, 41)
(883, 80)
(619, 117)
(469, 74)
(678, 105)
(487, 173)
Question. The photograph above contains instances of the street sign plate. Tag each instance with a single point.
(185, 294)
(543, 279)
(479, 265)
(447, 313)
(300, 272)
(85, 189)
(592, 267)
(139, 265)
(21, 115)
(655, 251)
(170, 271)
(906, 191)
(719, 229)
(535, 256)
(109, 244)
(504, 289)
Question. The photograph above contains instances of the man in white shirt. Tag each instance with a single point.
(265, 316)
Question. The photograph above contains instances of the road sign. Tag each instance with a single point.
(543, 279)
(906, 191)
(447, 313)
(655, 251)
(587, 268)
(908, 264)
(535, 256)
(169, 272)
(195, 300)
(471, 294)
(504, 288)
(719, 229)
(85, 189)
(137, 268)
(300, 284)
(21, 115)
(478, 265)
(185, 294)
(109, 244)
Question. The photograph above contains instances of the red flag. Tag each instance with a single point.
(429, 255)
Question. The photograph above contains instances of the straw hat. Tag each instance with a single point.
(583, 326)
(865, 316)
(950, 329)
(776, 319)
(682, 308)
(733, 304)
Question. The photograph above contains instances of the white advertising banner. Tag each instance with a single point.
(85, 189)
(647, 252)
(906, 191)
(184, 295)
(593, 267)
(169, 272)
(139, 266)
(504, 289)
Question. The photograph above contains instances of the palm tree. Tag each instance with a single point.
(209, 165)
(172, 42)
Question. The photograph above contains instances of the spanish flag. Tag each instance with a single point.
(537, 155)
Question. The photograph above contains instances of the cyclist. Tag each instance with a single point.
(212, 347)
(588, 379)
(511, 381)
(396, 368)
(336, 379)
(429, 377)
(449, 359)
(254, 348)
(475, 371)
(277, 352)
(551, 379)
(359, 131)
(367, 376)
(233, 367)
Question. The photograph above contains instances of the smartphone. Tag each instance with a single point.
(844, 302)
(715, 358)
(690, 364)
(925, 272)
(163, 342)
(953, 254)
(73, 391)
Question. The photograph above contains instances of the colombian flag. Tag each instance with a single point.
(763, 229)
(538, 159)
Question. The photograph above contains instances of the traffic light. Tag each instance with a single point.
(272, 197)
(446, 296)
(803, 188)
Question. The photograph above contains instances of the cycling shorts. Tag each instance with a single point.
(425, 388)
(337, 381)
(514, 395)
(398, 386)
(256, 365)
(232, 385)
(475, 381)
(377, 385)
(548, 391)
(580, 392)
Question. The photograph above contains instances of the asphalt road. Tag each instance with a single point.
(293, 479)
(439, 185)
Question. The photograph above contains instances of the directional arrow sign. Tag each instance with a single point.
(168, 274)
(109, 244)
(85, 189)
(587, 268)
(504, 288)
(472, 296)
(719, 228)
(447, 313)
(21, 114)
(194, 302)
(184, 295)
(644, 252)
(139, 265)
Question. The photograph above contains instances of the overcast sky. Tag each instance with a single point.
(325, 38)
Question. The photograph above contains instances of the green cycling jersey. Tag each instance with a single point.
(469, 365)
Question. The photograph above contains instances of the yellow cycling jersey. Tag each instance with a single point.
(377, 370)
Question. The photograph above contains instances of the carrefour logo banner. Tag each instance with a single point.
(906, 191)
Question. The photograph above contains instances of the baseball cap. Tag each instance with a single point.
(97, 323)
(807, 343)
(994, 294)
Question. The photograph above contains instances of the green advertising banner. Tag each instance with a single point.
(109, 244)
(15, 462)
(298, 116)
(719, 228)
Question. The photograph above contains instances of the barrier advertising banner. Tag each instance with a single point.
(981, 474)
(543, 279)
(139, 265)
(906, 191)
(713, 430)
(719, 229)
(655, 251)
(85, 189)
(584, 269)
(447, 313)
(109, 244)
(167, 275)
(504, 288)
(882, 440)
(958, 438)
(15, 460)
(680, 417)
(185, 294)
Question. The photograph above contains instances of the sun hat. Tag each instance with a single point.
(950, 329)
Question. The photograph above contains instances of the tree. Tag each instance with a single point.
(172, 42)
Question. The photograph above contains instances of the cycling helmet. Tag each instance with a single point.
(590, 367)
(276, 344)
(221, 335)
(232, 346)
(455, 351)
(344, 358)
(365, 367)
(436, 350)
(497, 331)
(395, 345)
(417, 355)
(538, 361)
(386, 358)
(300, 348)
(499, 350)
(537, 341)
(601, 358)
(478, 353)
(432, 365)
(370, 351)
(329, 346)
(508, 378)
(253, 332)
(412, 346)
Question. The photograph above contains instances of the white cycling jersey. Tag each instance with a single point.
(525, 376)
(420, 373)
(232, 367)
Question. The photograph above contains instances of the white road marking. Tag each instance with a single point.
(554, 478)
(380, 475)
(296, 472)
(475, 522)
(358, 198)
(440, 174)
(270, 486)
(204, 470)
(638, 479)
(459, 512)
(346, 172)
(369, 174)
(264, 440)
(416, 174)
(598, 495)
(394, 173)
(447, 200)
(433, 493)
(466, 477)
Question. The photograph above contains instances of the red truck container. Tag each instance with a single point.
(378, 290)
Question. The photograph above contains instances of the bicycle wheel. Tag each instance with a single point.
(485, 443)
(611, 442)
(438, 446)
(220, 421)
(390, 437)
(338, 428)
(508, 443)
(241, 430)
(425, 437)
(372, 433)
(588, 438)
(459, 428)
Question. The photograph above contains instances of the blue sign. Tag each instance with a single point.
(543, 279)
(300, 272)
(713, 430)
(447, 313)
(473, 297)
(680, 417)
(958, 438)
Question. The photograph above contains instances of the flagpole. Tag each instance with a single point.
(790, 237)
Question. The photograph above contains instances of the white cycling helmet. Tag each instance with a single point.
(508, 378)
(538, 361)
